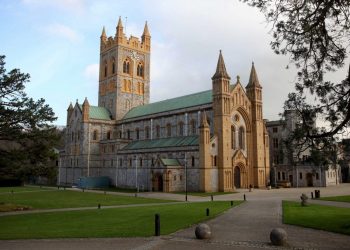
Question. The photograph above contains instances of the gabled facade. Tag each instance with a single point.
(213, 140)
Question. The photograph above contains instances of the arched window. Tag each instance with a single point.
(72, 136)
(105, 69)
(181, 128)
(119, 134)
(192, 161)
(126, 66)
(140, 161)
(128, 134)
(94, 135)
(157, 131)
(147, 132)
(129, 86)
(113, 66)
(108, 135)
(193, 127)
(241, 140)
(168, 130)
(125, 86)
(233, 137)
(140, 69)
(214, 160)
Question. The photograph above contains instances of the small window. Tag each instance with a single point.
(283, 176)
(215, 160)
(193, 127)
(192, 161)
(300, 176)
(317, 176)
(113, 67)
(106, 70)
(94, 135)
(128, 134)
(181, 128)
(140, 70)
(126, 66)
(147, 133)
(157, 131)
(137, 134)
(168, 130)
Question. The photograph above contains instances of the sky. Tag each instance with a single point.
(57, 43)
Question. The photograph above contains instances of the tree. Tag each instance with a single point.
(26, 138)
(316, 36)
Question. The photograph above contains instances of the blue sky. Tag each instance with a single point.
(57, 43)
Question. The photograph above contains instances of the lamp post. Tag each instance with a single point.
(137, 187)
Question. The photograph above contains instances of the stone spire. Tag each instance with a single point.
(253, 79)
(221, 69)
(103, 35)
(119, 28)
(86, 110)
(146, 31)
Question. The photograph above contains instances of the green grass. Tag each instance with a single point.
(334, 219)
(203, 194)
(114, 222)
(48, 199)
(21, 189)
(345, 198)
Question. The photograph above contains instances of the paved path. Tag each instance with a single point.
(244, 227)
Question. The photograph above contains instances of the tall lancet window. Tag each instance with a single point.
(233, 137)
(241, 140)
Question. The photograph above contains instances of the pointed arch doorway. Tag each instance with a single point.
(237, 177)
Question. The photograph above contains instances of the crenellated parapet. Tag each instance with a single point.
(134, 43)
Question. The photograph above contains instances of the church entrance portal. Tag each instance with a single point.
(158, 183)
(237, 177)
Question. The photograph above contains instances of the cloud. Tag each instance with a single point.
(76, 6)
(91, 73)
(63, 31)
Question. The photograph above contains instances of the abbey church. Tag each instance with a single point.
(214, 140)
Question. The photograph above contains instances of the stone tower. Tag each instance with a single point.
(204, 154)
(222, 124)
(124, 78)
(254, 94)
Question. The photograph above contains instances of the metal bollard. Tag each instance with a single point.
(83, 190)
(244, 197)
(231, 203)
(212, 197)
(99, 206)
(312, 195)
(104, 192)
(207, 211)
(58, 187)
(157, 225)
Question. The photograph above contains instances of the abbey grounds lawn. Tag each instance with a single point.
(130, 221)
(328, 218)
(49, 198)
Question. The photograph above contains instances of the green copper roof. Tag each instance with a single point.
(163, 143)
(170, 162)
(98, 113)
(171, 104)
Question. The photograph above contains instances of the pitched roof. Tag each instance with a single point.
(98, 113)
(163, 143)
(186, 101)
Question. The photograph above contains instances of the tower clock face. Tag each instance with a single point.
(134, 55)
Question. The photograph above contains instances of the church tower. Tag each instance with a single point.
(124, 78)
(254, 93)
(222, 124)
